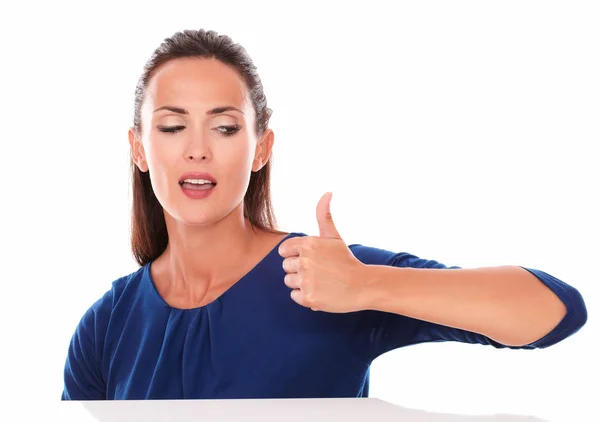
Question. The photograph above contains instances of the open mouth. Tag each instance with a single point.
(197, 184)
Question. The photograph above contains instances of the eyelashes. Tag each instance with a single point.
(229, 130)
(223, 130)
(170, 129)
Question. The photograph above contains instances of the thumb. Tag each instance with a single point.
(325, 219)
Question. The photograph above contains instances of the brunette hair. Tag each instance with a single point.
(149, 236)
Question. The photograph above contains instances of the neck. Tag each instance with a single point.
(199, 255)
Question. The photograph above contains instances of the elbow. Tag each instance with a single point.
(574, 317)
(567, 322)
(577, 309)
(564, 319)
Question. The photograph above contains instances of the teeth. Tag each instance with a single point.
(196, 181)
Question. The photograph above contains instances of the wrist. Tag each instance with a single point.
(378, 283)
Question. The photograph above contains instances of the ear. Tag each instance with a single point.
(137, 151)
(263, 150)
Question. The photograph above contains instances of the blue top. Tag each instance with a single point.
(254, 341)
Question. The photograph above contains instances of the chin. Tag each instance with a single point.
(199, 219)
(199, 214)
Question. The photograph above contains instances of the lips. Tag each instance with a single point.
(195, 175)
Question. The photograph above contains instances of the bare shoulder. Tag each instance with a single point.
(267, 241)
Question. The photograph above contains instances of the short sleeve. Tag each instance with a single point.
(83, 378)
(386, 331)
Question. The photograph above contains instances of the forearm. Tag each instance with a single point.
(507, 304)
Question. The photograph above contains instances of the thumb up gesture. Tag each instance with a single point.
(321, 270)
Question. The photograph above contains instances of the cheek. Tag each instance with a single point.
(161, 150)
(239, 158)
(160, 159)
(238, 168)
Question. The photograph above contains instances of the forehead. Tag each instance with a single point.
(196, 83)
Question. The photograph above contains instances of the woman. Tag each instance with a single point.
(226, 306)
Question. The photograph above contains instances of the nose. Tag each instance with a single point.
(197, 147)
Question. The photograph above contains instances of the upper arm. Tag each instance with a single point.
(388, 331)
(83, 378)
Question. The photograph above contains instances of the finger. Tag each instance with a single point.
(291, 265)
(292, 281)
(324, 218)
(296, 246)
(298, 297)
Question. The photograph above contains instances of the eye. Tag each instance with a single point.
(229, 130)
(170, 129)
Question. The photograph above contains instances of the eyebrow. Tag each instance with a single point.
(216, 110)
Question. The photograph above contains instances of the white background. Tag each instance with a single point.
(461, 131)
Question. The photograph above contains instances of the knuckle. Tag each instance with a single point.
(303, 263)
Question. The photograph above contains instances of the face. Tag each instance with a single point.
(197, 116)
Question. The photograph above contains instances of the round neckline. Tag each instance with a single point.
(147, 275)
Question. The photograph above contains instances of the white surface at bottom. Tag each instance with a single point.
(263, 410)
